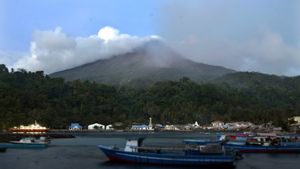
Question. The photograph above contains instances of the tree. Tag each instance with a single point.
(3, 68)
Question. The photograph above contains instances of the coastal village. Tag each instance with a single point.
(150, 126)
(214, 126)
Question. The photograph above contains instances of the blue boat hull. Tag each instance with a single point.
(167, 158)
(22, 146)
(263, 149)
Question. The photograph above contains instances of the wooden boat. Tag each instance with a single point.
(22, 146)
(28, 142)
(264, 144)
(184, 156)
(263, 148)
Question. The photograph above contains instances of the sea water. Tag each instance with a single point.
(82, 153)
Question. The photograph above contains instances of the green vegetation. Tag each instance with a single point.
(28, 96)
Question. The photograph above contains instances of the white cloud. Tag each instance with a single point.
(267, 53)
(108, 33)
(233, 35)
(9, 58)
(271, 54)
(53, 50)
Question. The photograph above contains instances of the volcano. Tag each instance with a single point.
(153, 61)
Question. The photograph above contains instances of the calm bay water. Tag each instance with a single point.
(82, 153)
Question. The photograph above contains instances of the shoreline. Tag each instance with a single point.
(57, 134)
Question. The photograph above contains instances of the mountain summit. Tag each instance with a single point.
(151, 62)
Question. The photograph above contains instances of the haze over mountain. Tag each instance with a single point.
(151, 62)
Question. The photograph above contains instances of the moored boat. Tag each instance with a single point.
(28, 142)
(263, 148)
(32, 128)
(134, 152)
(256, 143)
(264, 144)
(22, 146)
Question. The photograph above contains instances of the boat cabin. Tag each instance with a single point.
(132, 145)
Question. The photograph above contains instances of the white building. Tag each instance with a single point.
(238, 125)
(196, 125)
(96, 126)
(109, 127)
(171, 127)
(217, 124)
(148, 127)
(75, 126)
(296, 119)
(140, 127)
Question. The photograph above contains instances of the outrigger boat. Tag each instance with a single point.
(188, 155)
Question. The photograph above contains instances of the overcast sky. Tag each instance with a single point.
(248, 35)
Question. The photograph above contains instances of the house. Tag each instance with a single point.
(75, 126)
(217, 124)
(196, 125)
(171, 127)
(296, 119)
(143, 126)
(244, 125)
(96, 126)
(188, 127)
(238, 125)
(140, 127)
(294, 123)
(109, 127)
